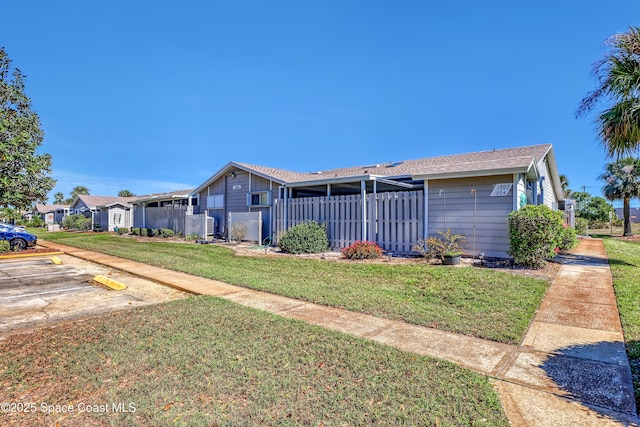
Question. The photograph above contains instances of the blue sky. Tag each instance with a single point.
(155, 96)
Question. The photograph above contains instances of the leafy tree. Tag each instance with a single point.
(618, 86)
(24, 174)
(591, 208)
(125, 193)
(622, 182)
(58, 198)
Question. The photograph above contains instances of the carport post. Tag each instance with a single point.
(363, 194)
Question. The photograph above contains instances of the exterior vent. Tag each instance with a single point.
(394, 164)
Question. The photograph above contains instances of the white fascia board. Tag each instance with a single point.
(337, 180)
(471, 174)
(226, 169)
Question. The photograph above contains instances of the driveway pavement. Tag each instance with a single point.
(35, 292)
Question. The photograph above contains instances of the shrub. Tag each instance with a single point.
(135, 231)
(568, 240)
(123, 230)
(362, 250)
(5, 247)
(36, 221)
(598, 225)
(166, 232)
(76, 222)
(535, 232)
(151, 232)
(238, 231)
(446, 244)
(307, 237)
(144, 232)
(581, 226)
(192, 236)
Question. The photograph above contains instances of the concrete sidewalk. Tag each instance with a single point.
(571, 369)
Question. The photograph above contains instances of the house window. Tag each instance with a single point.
(215, 201)
(259, 198)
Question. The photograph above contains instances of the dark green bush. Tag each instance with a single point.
(143, 232)
(166, 232)
(135, 231)
(36, 221)
(535, 233)
(5, 247)
(151, 232)
(362, 250)
(308, 237)
(569, 240)
(581, 226)
(123, 230)
(77, 222)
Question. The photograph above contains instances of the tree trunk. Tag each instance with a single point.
(627, 217)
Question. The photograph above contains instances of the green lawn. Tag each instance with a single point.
(205, 361)
(624, 258)
(479, 302)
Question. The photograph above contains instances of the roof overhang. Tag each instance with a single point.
(161, 198)
(335, 180)
(230, 167)
(531, 171)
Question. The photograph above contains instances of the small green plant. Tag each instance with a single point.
(307, 237)
(144, 232)
(35, 222)
(362, 250)
(122, 230)
(238, 231)
(192, 236)
(166, 232)
(5, 247)
(438, 247)
(151, 232)
(135, 231)
(581, 226)
(535, 234)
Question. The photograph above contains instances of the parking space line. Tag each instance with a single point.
(46, 292)
(50, 273)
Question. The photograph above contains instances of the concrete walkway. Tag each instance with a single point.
(571, 369)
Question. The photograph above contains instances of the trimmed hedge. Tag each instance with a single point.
(305, 238)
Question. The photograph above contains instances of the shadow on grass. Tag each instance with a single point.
(597, 375)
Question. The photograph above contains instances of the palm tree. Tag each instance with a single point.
(58, 198)
(125, 193)
(564, 182)
(618, 77)
(77, 190)
(622, 182)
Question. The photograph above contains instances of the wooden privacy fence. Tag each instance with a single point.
(393, 220)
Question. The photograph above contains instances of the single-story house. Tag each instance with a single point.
(164, 210)
(106, 212)
(52, 214)
(392, 203)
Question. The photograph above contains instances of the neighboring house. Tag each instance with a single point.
(634, 214)
(164, 210)
(106, 212)
(393, 203)
(52, 214)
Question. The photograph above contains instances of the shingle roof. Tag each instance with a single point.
(93, 201)
(493, 160)
(164, 196)
(49, 208)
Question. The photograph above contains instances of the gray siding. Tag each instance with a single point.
(237, 189)
(491, 230)
(138, 216)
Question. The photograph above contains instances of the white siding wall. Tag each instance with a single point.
(547, 185)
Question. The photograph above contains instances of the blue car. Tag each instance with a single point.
(18, 239)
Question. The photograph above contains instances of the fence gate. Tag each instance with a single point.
(200, 225)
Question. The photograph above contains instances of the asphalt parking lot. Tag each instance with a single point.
(35, 292)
